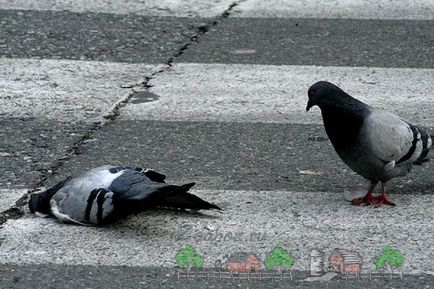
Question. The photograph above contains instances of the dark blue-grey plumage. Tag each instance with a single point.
(376, 144)
(105, 193)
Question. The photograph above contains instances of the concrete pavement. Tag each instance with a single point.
(213, 93)
(253, 221)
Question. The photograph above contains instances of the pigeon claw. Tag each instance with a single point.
(371, 200)
(358, 201)
(368, 200)
(384, 201)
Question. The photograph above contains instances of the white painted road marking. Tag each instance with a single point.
(278, 94)
(299, 221)
(179, 8)
(8, 197)
(66, 90)
(252, 221)
(340, 9)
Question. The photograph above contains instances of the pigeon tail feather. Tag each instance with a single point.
(426, 146)
(178, 197)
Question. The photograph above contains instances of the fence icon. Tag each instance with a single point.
(223, 274)
(373, 274)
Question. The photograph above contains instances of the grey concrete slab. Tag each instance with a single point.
(93, 36)
(277, 93)
(49, 275)
(335, 42)
(9, 197)
(49, 105)
(251, 156)
(30, 146)
(65, 90)
(252, 221)
(179, 8)
(354, 9)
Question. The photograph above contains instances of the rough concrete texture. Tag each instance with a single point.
(179, 8)
(326, 42)
(49, 105)
(29, 147)
(251, 156)
(351, 9)
(252, 222)
(71, 91)
(93, 36)
(268, 93)
(8, 197)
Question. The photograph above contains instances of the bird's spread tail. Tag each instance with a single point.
(178, 197)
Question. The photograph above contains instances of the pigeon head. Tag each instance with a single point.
(323, 93)
(37, 203)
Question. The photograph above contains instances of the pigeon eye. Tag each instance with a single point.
(311, 93)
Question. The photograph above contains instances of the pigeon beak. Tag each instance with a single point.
(309, 105)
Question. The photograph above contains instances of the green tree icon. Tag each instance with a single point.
(188, 257)
(390, 258)
(278, 258)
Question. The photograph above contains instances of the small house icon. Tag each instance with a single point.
(343, 261)
(243, 262)
(316, 262)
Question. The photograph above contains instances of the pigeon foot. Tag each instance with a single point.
(369, 199)
(382, 200)
(376, 201)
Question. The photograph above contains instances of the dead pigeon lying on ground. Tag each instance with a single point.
(376, 144)
(105, 193)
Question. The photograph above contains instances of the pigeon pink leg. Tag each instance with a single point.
(369, 198)
(382, 200)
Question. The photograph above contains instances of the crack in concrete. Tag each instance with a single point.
(201, 30)
(16, 211)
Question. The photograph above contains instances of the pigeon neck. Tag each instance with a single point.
(343, 121)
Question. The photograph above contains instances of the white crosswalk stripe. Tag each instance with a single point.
(201, 8)
(65, 89)
(296, 220)
(278, 94)
(339, 9)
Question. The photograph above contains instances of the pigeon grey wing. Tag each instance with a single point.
(391, 139)
(151, 174)
(82, 207)
(134, 185)
(154, 176)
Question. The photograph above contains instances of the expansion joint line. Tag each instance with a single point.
(16, 211)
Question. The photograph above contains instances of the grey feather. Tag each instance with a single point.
(376, 144)
(104, 193)
(391, 146)
(134, 185)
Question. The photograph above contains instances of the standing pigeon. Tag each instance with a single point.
(105, 193)
(376, 144)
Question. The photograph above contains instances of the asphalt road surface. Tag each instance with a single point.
(212, 92)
